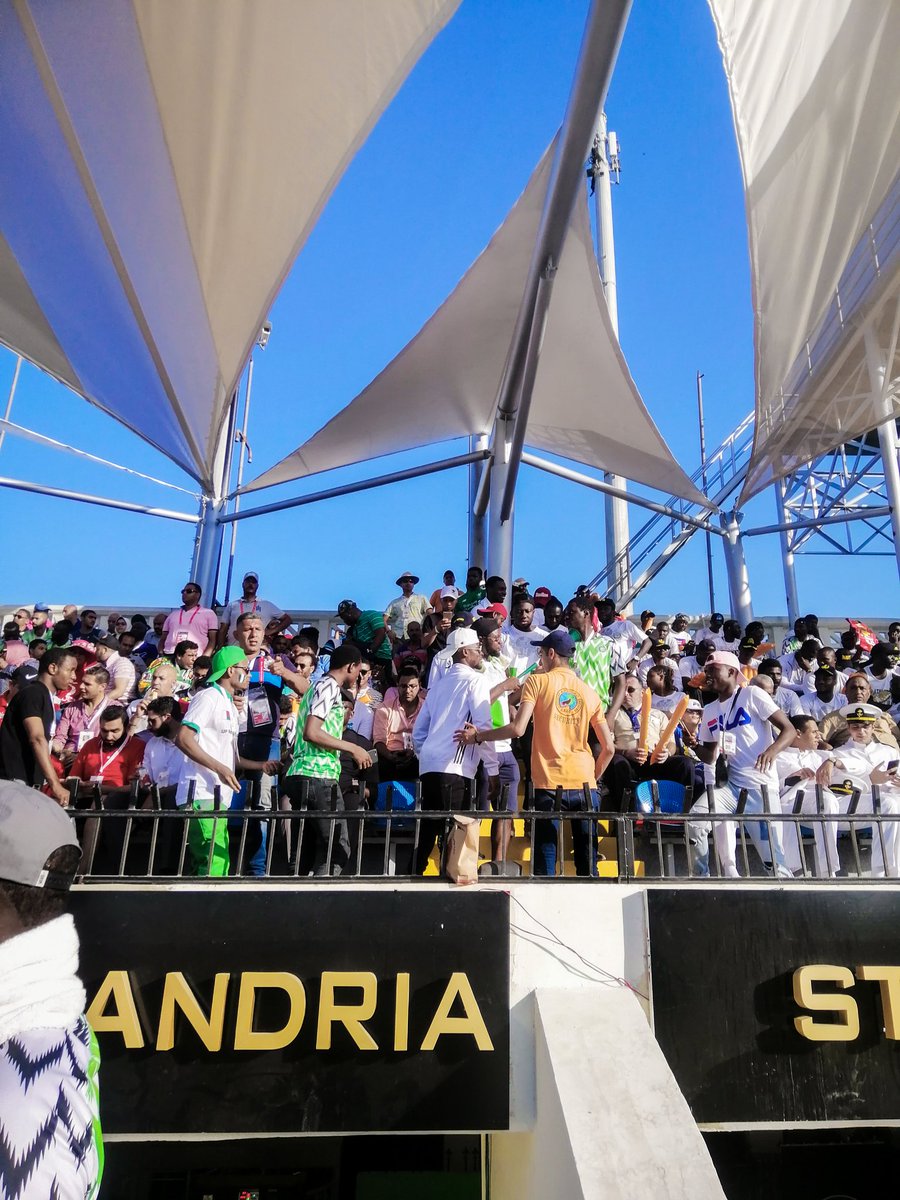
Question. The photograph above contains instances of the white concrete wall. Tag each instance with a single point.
(568, 936)
(611, 1121)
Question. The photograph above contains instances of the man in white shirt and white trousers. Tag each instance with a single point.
(861, 764)
(738, 727)
(462, 695)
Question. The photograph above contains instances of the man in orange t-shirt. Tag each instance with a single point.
(564, 709)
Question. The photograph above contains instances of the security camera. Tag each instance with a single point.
(264, 335)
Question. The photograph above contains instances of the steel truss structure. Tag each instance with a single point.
(849, 482)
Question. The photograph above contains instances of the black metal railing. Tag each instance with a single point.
(143, 835)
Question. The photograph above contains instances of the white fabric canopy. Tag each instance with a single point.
(443, 384)
(815, 92)
(164, 163)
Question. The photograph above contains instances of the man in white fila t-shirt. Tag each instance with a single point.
(738, 726)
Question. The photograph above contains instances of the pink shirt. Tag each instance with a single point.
(391, 722)
(75, 727)
(189, 625)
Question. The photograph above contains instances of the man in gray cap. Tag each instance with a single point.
(49, 1102)
(249, 602)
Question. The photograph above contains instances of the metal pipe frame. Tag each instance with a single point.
(599, 49)
(739, 596)
(787, 557)
(40, 489)
(10, 398)
(860, 514)
(363, 485)
(41, 439)
(598, 485)
(477, 525)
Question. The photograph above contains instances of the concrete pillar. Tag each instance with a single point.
(611, 1121)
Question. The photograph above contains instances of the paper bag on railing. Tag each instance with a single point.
(460, 861)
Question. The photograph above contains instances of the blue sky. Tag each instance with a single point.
(420, 201)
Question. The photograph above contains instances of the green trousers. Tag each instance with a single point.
(206, 831)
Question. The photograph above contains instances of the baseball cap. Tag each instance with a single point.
(250, 575)
(109, 640)
(32, 826)
(860, 714)
(228, 656)
(344, 605)
(717, 617)
(41, 608)
(520, 582)
(724, 658)
(24, 674)
(494, 610)
(449, 591)
(560, 641)
(541, 596)
(458, 639)
(694, 706)
(747, 643)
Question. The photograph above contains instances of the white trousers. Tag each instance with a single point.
(766, 836)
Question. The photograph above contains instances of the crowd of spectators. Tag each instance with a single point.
(479, 694)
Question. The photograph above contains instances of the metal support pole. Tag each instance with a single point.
(887, 432)
(709, 558)
(500, 532)
(865, 512)
(477, 541)
(787, 555)
(598, 485)
(890, 455)
(244, 454)
(615, 508)
(738, 579)
(347, 489)
(10, 398)
(40, 489)
(599, 48)
(205, 567)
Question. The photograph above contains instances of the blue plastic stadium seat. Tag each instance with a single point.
(671, 796)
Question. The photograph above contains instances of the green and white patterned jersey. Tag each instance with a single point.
(323, 700)
(593, 664)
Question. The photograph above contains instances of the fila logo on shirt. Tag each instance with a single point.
(739, 718)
